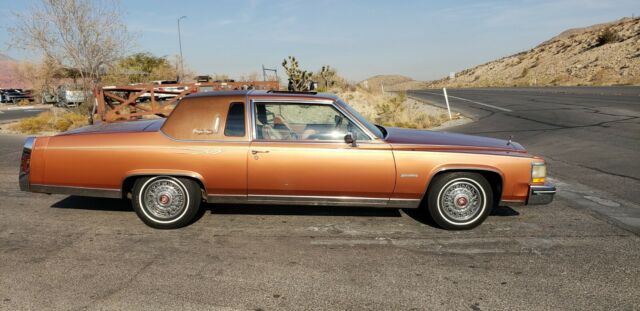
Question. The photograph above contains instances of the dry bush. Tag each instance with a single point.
(607, 36)
(51, 121)
(390, 110)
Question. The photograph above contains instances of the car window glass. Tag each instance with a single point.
(235, 120)
(291, 121)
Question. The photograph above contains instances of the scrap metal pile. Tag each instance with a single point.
(132, 102)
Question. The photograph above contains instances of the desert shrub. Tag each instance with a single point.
(389, 112)
(51, 121)
(607, 36)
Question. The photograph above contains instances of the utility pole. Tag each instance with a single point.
(264, 73)
(180, 44)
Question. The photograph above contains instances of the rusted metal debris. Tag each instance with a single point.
(132, 102)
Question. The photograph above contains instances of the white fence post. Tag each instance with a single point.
(446, 99)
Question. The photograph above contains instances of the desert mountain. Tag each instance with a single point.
(602, 54)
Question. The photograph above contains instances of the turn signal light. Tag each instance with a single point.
(538, 172)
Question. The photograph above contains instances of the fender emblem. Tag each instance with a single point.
(408, 175)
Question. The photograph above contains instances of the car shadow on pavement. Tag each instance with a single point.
(504, 211)
(422, 215)
(94, 204)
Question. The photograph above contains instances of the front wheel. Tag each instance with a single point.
(460, 200)
(165, 202)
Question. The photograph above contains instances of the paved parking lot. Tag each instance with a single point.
(76, 253)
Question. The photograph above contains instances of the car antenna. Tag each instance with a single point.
(510, 140)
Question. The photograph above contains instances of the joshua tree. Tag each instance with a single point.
(328, 75)
(298, 79)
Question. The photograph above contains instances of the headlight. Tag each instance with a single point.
(538, 172)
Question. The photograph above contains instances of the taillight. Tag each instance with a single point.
(25, 164)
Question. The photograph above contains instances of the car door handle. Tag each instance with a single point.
(259, 151)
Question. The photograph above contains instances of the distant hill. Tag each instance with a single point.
(603, 54)
(4, 57)
(8, 75)
(375, 83)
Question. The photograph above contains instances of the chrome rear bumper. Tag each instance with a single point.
(25, 164)
(541, 194)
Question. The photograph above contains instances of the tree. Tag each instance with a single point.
(43, 77)
(81, 34)
(140, 68)
(328, 76)
(298, 79)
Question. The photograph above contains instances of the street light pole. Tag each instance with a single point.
(180, 43)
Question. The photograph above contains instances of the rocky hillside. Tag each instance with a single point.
(604, 54)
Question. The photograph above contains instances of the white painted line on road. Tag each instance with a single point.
(474, 102)
(21, 108)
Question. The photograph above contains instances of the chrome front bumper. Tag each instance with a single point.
(541, 194)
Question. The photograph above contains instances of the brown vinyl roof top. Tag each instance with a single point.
(264, 93)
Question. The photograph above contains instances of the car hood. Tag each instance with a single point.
(446, 140)
(119, 127)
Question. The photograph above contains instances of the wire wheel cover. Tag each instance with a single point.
(461, 200)
(165, 198)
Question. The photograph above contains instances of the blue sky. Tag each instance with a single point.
(421, 39)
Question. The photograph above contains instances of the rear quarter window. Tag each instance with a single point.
(235, 125)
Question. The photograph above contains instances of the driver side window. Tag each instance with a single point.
(297, 121)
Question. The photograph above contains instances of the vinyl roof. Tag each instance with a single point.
(330, 96)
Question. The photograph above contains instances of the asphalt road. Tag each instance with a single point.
(590, 136)
(19, 113)
(61, 252)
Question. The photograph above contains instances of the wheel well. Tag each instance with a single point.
(127, 184)
(494, 179)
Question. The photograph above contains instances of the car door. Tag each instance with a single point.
(298, 155)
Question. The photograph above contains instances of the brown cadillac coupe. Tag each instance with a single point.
(271, 147)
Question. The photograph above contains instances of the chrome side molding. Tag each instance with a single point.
(313, 200)
(79, 191)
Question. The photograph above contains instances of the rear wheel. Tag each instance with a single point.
(166, 202)
(460, 200)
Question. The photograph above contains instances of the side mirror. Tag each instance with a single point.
(350, 138)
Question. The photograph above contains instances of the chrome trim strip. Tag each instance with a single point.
(317, 200)
(313, 200)
(226, 198)
(79, 191)
(404, 203)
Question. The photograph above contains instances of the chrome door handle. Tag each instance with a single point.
(259, 151)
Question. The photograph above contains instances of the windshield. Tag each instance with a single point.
(370, 126)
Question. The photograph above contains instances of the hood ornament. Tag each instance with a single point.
(510, 140)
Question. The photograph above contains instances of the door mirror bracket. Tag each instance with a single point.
(351, 138)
